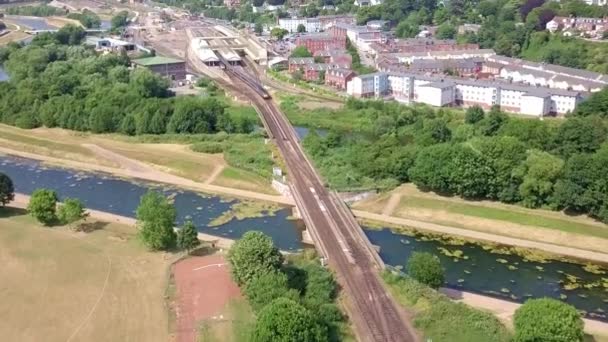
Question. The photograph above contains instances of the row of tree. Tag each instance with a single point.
(293, 301)
(554, 164)
(55, 82)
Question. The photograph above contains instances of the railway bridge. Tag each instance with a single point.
(333, 228)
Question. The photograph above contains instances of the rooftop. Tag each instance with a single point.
(156, 60)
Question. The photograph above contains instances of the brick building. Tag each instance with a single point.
(341, 57)
(339, 78)
(299, 63)
(321, 41)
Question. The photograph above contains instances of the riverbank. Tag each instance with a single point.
(21, 201)
(158, 176)
(501, 308)
(505, 310)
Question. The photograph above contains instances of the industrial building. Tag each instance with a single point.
(173, 69)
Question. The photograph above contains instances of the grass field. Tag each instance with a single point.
(513, 216)
(58, 285)
(234, 324)
(173, 158)
(492, 217)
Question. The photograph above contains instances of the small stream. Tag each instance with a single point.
(3, 74)
(469, 267)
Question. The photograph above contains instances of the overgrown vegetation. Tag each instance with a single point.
(55, 82)
(35, 11)
(441, 319)
(87, 18)
(557, 165)
(294, 301)
(547, 319)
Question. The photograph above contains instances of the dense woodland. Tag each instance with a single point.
(55, 82)
(554, 164)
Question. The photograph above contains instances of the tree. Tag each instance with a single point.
(284, 320)
(265, 288)
(7, 190)
(155, 219)
(301, 28)
(278, 33)
(71, 211)
(539, 173)
(474, 114)
(258, 28)
(446, 31)
(187, 237)
(426, 268)
(547, 319)
(120, 20)
(580, 135)
(406, 29)
(252, 255)
(43, 206)
(300, 51)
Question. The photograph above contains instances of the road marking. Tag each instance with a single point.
(203, 267)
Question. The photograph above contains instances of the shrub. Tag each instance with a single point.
(426, 268)
(43, 206)
(547, 319)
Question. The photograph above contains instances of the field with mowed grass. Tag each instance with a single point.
(59, 285)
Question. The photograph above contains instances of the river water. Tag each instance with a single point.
(3, 74)
(33, 23)
(476, 270)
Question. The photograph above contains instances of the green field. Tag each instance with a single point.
(514, 216)
(235, 326)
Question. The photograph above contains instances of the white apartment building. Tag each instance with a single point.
(547, 79)
(409, 57)
(363, 3)
(444, 92)
(292, 24)
(370, 85)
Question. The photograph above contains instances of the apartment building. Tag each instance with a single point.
(335, 57)
(459, 92)
(298, 63)
(594, 27)
(321, 41)
(339, 78)
(291, 24)
(408, 58)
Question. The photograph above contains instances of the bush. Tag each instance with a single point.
(208, 147)
(43, 206)
(71, 211)
(426, 268)
(547, 319)
(252, 255)
(267, 287)
(156, 218)
(284, 320)
(7, 191)
(441, 319)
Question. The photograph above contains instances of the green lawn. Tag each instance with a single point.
(514, 216)
(48, 144)
(237, 324)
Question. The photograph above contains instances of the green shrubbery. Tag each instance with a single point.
(294, 300)
(35, 11)
(441, 319)
(551, 164)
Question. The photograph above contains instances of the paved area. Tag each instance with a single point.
(204, 287)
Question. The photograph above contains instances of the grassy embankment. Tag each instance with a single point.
(441, 319)
(106, 274)
(13, 36)
(171, 154)
(491, 217)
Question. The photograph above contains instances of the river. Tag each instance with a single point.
(476, 270)
(33, 23)
(3, 74)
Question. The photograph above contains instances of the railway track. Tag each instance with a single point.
(337, 235)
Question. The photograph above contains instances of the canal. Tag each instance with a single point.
(469, 266)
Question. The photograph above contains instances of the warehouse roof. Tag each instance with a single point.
(156, 60)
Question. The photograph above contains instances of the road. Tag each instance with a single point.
(337, 235)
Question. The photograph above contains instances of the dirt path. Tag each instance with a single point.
(470, 234)
(124, 162)
(392, 204)
(154, 176)
(504, 310)
(216, 172)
